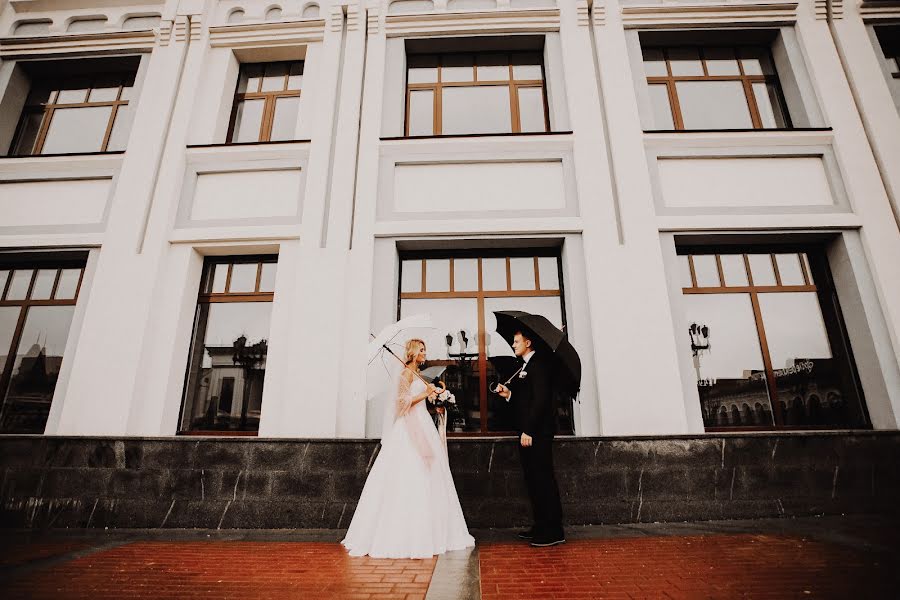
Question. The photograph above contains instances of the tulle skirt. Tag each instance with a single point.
(408, 508)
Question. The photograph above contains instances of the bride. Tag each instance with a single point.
(409, 507)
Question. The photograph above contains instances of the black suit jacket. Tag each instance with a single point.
(533, 397)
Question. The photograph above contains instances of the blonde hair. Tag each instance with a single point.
(412, 350)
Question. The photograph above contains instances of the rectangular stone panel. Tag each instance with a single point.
(53, 202)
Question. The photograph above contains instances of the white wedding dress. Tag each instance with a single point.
(408, 507)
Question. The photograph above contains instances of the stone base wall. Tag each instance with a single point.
(78, 482)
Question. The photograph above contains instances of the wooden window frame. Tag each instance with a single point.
(512, 83)
(754, 291)
(746, 81)
(480, 295)
(270, 98)
(26, 303)
(199, 330)
(48, 109)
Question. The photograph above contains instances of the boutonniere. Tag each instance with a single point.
(522, 374)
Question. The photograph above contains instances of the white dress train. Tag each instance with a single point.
(409, 507)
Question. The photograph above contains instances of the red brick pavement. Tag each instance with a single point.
(22, 552)
(717, 566)
(230, 570)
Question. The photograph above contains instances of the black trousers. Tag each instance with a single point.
(543, 492)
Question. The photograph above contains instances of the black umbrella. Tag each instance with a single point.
(544, 333)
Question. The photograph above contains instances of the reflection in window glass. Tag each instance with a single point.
(761, 269)
(531, 109)
(437, 275)
(493, 273)
(734, 270)
(481, 109)
(527, 66)
(706, 270)
(457, 68)
(68, 284)
(35, 371)
(730, 372)
(118, 138)
(521, 271)
(411, 276)
(274, 79)
(685, 61)
(220, 277)
(654, 63)
(43, 284)
(243, 278)
(247, 121)
(492, 67)
(18, 287)
(4, 277)
(465, 274)
(267, 278)
(795, 330)
(285, 122)
(713, 105)
(421, 112)
(548, 266)
(789, 269)
(422, 69)
(768, 105)
(77, 130)
(684, 271)
(662, 108)
(29, 128)
(721, 61)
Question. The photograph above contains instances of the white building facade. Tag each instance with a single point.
(206, 206)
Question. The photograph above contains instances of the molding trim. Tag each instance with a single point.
(823, 7)
(93, 42)
(336, 18)
(876, 11)
(669, 15)
(352, 16)
(499, 21)
(267, 34)
(372, 19)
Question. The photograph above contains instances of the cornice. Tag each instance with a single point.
(267, 34)
(86, 42)
(499, 21)
(669, 15)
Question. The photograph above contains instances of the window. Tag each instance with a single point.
(766, 337)
(37, 301)
(227, 366)
(888, 39)
(267, 102)
(86, 110)
(714, 87)
(459, 93)
(460, 291)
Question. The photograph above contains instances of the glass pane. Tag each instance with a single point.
(734, 270)
(295, 76)
(274, 80)
(68, 284)
(248, 82)
(9, 318)
(713, 105)
(77, 130)
(706, 270)
(770, 114)
(421, 112)
(212, 402)
(727, 360)
(36, 368)
(685, 61)
(465, 274)
(501, 363)
(243, 278)
(411, 276)
(493, 274)
(267, 279)
(219, 278)
(43, 284)
(454, 345)
(531, 109)
(761, 269)
(492, 67)
(4, 277)
(721, 61)
(662, 109)
(248, 120)
(548, 269)
(31, 125)
(18, 287)
(654, 63)
(789, 269)
(521, 273)
(756, 61)
(75, 94)
(809, 273)
(482, 109)
(104, 94)
(527, 66)
(118, 139)
(284, 125)
(437, 275)
(422, 69)
(795, 330)
(457, 67)
(684, 271)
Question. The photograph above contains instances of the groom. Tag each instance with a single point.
(532, 390)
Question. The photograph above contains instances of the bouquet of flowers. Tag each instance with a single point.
(445, 399)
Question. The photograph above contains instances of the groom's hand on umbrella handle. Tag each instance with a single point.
(525, 440)
(502, 390)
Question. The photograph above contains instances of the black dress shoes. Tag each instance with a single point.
(542, 541)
